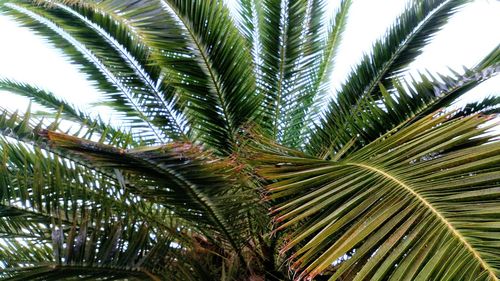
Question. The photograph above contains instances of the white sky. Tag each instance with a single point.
(470, 34)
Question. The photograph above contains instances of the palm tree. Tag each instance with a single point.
(222, 125)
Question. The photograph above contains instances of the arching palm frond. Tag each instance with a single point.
(133, 92)
(406, 101)
(153, 183)
(390, 56)
(412, 205)
(190, 40)
(193, 183)
(77, 220)
(90, 125)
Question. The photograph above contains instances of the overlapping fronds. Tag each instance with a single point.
(412, 205)
(192, 41)
(387, 185)
(294, 57)
(405, 102)
(153, 183)
(281, 37)
(303, 108)
(225, 99)
(74, 221)
(136, 95)
(216, 203)
(390, 56)
(195, 185)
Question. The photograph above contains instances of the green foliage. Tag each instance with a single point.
(419, 198)
(221, 121)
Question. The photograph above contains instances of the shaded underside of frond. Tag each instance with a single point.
(207, 197)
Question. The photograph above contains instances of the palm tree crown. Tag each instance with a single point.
(229, 167)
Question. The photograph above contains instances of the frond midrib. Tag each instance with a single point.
(280, 84)
(134, 65)
(207, 63)
(91, 57)
(455, 232)
(204, 201)
(329, 53)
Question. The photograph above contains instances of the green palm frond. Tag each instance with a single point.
(231, 101)
(281, 37)
(69, 113)
(135, 93)
(247, 20)
(292, 59)
(14, 251)
(65, 208)
(403, 42)
(412, 205)
(193, 184)
(212, 200)
(405, 102)
(487, 68)
(132, 93)
(192, 41)
(70, 51)
(143, 74)
(78, 204)
(319, 55)
(217, 111)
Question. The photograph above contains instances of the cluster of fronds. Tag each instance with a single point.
(219, 112)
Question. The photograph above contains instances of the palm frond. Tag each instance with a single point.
(247, 20)
(98, 79)
(231, 102)
(318, 61)
(388, 185)
(407, 101)
(52, 201)
(14, 251)
(193, 42)
(214, 200)
(413, 205)
(69, 112)
(403, 42)
(209, 197)
(150, 112)
(488, 106)
(488, 67)
(281, 39)
(49, 210)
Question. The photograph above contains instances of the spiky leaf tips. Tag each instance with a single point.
(220, 121)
